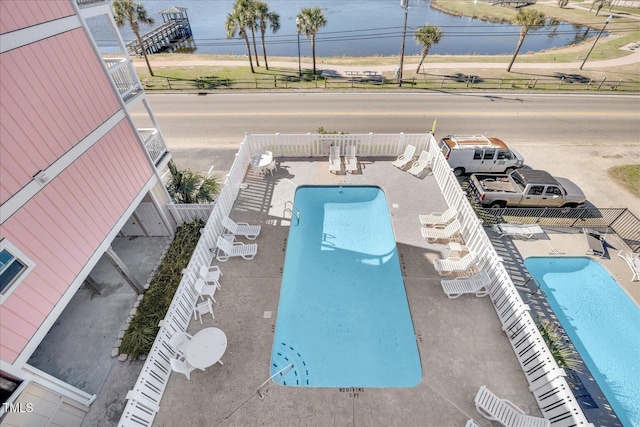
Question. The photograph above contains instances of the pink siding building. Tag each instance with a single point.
(74, 168)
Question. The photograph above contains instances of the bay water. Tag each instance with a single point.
(357, 28)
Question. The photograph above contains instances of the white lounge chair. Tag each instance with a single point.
(471, 423)
(595, 241)
(404, 158)
(241, 228)
(438, 218)
(350, 159)
(445, 267)
(476, 283)
(228, 247)
(335, 163)
(633, 261)
(433, 234)
(418, 166)
(505, 412)
(525, 230)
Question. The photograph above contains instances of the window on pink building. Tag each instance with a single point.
(14, 267)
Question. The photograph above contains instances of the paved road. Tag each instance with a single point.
(577, 136)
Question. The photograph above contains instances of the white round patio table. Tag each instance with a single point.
(206, 348)
(261, 161)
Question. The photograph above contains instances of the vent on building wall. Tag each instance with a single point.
(41, 177)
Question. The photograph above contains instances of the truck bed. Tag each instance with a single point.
(496, 183)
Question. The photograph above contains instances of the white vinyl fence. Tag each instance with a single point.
(545, 378)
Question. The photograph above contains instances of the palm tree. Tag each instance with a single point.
(188, 186)
(250, 9)
(237, 23)
(426, 35)
(599, 4)
(309, 22)
(266, 18)
(529, 19)
(135, 14)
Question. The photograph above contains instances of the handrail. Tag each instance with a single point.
(265, 386)
(293, 209)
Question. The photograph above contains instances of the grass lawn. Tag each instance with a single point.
(628, 177)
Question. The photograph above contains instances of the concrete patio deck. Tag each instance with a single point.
(460, 341)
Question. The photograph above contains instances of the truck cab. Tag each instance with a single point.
(477, 153)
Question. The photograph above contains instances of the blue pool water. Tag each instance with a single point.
(343, 318)
(602, 322)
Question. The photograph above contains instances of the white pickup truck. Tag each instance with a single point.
(525, 188)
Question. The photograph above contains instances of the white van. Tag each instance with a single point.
(477, 153)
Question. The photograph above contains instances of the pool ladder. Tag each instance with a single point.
(293, 210)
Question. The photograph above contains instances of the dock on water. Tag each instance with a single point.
(174, 31)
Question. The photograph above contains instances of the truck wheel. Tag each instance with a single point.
(570, 205)
(509, 170)
(497, 205)
(458, 171)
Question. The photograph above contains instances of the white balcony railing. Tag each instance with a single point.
(124, 77)
(154, 144)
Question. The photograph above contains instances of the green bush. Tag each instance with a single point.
(139, 337)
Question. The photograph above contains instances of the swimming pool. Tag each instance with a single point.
(602, 322)
(343, 317)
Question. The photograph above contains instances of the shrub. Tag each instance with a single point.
(139, 337)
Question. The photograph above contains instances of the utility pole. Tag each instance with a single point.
(405, 4)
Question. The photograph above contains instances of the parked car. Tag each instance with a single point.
(525, 188)
(477, 153)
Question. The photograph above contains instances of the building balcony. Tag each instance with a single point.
(155, 146)
(124, 77)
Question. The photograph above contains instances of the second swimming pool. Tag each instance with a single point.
(343, 318)
(602, 322)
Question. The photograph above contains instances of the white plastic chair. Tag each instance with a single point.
(633, 261)
(179, 342)
(272, 166)
(182, 367)
(203, 308)
(419, 166)
(444, 267)
(505, 412)
(211, 274)
(335, 163)
(527, 231)
(241, 228)
(474, 284)
(203, 290)
(405, 157)
(433, 234)
(435, 219)
(228, 247)
(350, 159)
